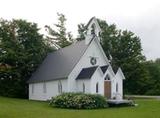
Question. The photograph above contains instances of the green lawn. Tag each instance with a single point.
(19, 108)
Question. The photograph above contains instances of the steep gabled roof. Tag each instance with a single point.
(120, 72)
(86, 73)
(115, 69)
(104, 68)
(59, 64)
(94, 20)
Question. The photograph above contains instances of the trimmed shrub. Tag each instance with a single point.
(79, 101)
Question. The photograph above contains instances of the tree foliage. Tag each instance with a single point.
(81, 31)
(22, 49)
(154, 83)
(60, 37)
(125, 48)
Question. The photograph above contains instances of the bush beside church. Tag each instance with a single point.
(79, 101)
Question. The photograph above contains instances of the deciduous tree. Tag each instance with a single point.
(22, 49)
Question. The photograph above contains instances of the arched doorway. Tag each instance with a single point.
(107, 86)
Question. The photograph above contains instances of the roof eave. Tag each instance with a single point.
(54, 79)
(120, 71)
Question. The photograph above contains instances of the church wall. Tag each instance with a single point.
(51, 90)
(92, 51)
(117, 80)
(97, 78)
(86, 82)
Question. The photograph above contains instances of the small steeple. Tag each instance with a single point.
(93, 29)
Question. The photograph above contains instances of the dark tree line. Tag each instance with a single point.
(22, 49)
(154, 70)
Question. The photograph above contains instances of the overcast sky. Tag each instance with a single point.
(140, 16)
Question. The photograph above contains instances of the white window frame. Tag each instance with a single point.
(97, 87)
(107, 78)
(117, 87)
(59, 87)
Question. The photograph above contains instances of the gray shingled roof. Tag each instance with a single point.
(86, 73)
(59, 64)
(115, 69)
(104, 68)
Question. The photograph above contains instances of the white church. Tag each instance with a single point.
(80, 67)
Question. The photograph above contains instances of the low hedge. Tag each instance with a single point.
(79, 101)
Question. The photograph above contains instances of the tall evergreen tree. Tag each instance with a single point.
(60, 37)
(81, 31)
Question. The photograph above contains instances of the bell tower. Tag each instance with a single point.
(93, 30)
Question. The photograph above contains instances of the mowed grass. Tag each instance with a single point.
(19, 108)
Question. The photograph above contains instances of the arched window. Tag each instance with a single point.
(59, 87)
(97, 88)
(107, 77)
(83, 88)
(44, 88)
(116, 87)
